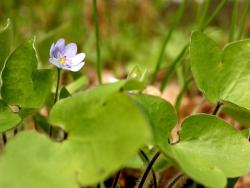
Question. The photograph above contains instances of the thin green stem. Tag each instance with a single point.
(116, 179)
(146, 172)
(178, 17)
(233, 22)
(243, 20)
(168, 76)
(98, 51)
(56, 95)
(201, 26)
(145, 157)
(214, 14)
(57, 84)
(206, 5)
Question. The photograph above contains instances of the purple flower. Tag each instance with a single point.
(65, 57)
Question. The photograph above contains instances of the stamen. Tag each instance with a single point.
(62, 60)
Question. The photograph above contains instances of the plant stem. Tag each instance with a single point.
(206, 5)
(243, 20)
(171, 71)
(57, 84)
(152, 170)
(175, 180)
(98, 52)
(217, 108)
(201, 27)
(116, 179)
(233, 21)
(178, 17)
(146, 172)
(4, 138)
(215, 12)
(56, 95)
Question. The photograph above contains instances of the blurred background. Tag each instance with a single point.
(131, 31)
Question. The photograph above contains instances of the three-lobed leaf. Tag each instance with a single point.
(102, 126)
(221, 74)
(209, 150)
(161, 115)
(23, 84)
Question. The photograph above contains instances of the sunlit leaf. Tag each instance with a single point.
(209, 150)
(221, 74)
(102, 126)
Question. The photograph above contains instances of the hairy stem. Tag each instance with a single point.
(146, 172)
(98, 51)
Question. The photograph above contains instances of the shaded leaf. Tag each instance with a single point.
(5, 43)
(240, 114)
(8, 119)
(161, 114)
(23, 84)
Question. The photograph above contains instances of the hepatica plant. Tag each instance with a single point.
(87, 136)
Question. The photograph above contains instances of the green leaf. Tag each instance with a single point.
(77, 85)
(5, 43)
(8, 119)
(240, 114)
(37, 162)
(23, 84)
(161, 114)
(102, 126)
(221, 74)
(64, 93)
(209, 150)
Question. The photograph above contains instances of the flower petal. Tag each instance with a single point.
(52, 48)
(60, 44)
(70, 50)
(75, 68)
(55, 62)
(78, 59)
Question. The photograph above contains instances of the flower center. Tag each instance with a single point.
(62, 60)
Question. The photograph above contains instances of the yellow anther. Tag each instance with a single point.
(62, 60)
